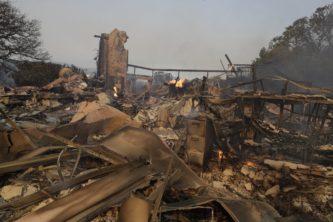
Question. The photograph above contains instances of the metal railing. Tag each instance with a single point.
(207, 71)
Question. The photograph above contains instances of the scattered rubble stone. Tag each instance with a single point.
(273, 191)
(228, 172)
(245, 170)
(10, 191)
(248, 186)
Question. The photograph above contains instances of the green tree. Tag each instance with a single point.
(304, 51)
(19, 36)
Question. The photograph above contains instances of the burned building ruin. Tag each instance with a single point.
(224, 147)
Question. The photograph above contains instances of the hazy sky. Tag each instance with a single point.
(168, 33)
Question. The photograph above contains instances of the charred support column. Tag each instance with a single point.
(281, 113)
(254, 78)
(319, 107)
(311, 113)
(102, 55)
(292, 111)
(134, 82)
(324, 117)
(285, 88)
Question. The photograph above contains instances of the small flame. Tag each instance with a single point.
(249, 163)
(179, 83)
(115, 92)
(220, 155)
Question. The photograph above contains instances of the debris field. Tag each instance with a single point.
(128, 147)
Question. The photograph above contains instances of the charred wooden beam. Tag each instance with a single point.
(16, 165)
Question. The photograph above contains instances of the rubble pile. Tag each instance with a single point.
(288, 186)
(200, 150)
(71, 155)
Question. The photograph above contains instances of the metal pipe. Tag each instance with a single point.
(180, 70)
(230, 63)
